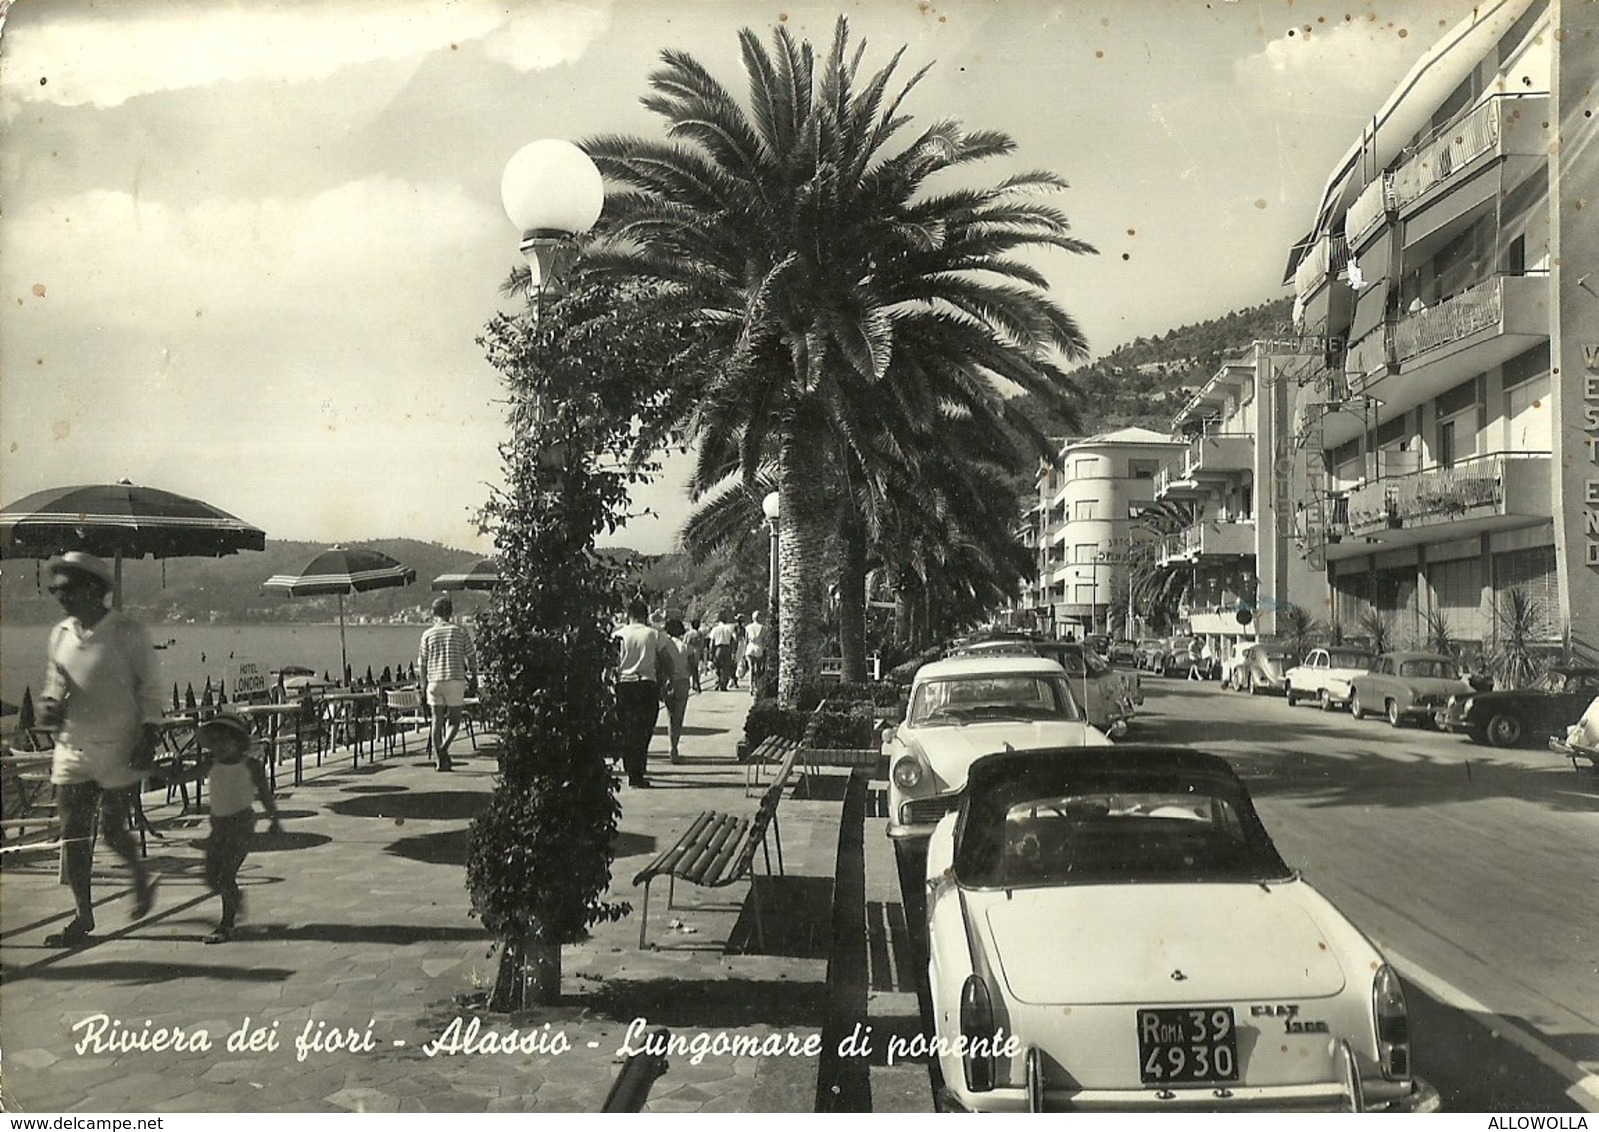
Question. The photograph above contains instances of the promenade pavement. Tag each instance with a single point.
(357, 950)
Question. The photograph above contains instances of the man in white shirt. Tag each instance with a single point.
(723, 638)
(644, 665)
(100, 695)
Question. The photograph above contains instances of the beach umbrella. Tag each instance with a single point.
(188, 698)
(481, 575)
(121, 520)
(340, 570)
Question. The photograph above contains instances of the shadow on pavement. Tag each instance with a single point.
(424, 805)
(390, 935)
(796, 917)
(146, 971)
(449, 847)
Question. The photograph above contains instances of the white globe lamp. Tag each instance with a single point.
(551, 192)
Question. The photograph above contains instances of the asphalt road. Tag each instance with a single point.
(1475, 870)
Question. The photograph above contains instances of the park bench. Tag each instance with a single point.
(718, 849)
(773, 751)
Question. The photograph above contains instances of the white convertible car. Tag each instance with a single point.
(967, 707)
(1113, 930)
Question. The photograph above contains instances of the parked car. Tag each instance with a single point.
(1263, 667)
(1150, 650)
(1174, 658)
(1581, 740)
(1113, 930)
(966, 707)
(1107, 694)
(1326, 675)
(1123, 654)
(1519, 716)
(1405, 686)
(1233, 658)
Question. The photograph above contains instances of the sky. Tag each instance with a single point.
(247, 247)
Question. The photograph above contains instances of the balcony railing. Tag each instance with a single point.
(1455, 148)
(1210, 536)
(1459, 316)
(1504, 481)
(1325, 258)
(1219, 452)
(1377, 199)
(1372, 355)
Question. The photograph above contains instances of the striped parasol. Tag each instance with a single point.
(481, 575)
(121, 520)
(341, 570)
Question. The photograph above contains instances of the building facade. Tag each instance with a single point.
(1244, 473)
(1081, 524)
(1446, 273)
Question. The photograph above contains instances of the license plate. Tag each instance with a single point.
(1194, 1045)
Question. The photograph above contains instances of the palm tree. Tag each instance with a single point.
(1156, 584)
(822, 254)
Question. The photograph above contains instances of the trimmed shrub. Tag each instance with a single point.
(769, 717)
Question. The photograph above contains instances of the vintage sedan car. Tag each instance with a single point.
(966, 707)
(1325, 675)
(1518, 716)
(1262, 668)
(1581, 740)
(1108, 694)
(1113, 930)
(1123, 654)
(1406, 686)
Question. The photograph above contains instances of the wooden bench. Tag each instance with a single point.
(718, 849)
(776, 751)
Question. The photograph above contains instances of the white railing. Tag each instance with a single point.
(1377, 199)
(1455, 147)
(1459, 316)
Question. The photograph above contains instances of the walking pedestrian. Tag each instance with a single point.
(1196, 654)
(101, 697)
(694, 652)
(644, 665)
(445, 662)
(741, 663)
(723, 638)
(755, 651)
(235, 779)
(681, 687)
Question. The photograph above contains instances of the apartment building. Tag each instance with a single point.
(1452, 269)
(1244, 474)
(1083, 521)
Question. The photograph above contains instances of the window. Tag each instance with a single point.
(1528, 421)
(1085, 551)
(1083, 509)
(1084, 594)
(1085, 469)
(1446, 443)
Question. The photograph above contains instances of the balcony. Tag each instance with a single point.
(1464, 317)
(1219, 454)
(1173, 482)
(1377, 200)
(1209, 537)
(1323, 261)
(1502, 125)
(1495, 491)
(1369, 358)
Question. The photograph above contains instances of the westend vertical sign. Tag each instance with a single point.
(1590, 421)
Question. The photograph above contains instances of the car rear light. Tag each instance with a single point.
(908, 772)
(1393, 1024)
(977, 1027)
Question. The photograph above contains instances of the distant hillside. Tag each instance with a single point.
(1148, 380)
(229, 589)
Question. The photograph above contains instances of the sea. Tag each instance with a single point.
(189, 654)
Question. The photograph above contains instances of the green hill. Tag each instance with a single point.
(229, 589)
(1146, 381)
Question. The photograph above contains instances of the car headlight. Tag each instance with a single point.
(1465, 708)
(1393, 1024)
(908, 772)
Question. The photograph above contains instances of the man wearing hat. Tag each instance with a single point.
(101, 697)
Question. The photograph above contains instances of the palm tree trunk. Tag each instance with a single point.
(852, 598)
(802, 532)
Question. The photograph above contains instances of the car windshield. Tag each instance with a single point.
(1071, 658)
(961, 699)
(1349, 659)
(1096, 836)
(1556, 682)
(1429, 667)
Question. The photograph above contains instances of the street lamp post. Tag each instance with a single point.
(552, 193)
(772, 507)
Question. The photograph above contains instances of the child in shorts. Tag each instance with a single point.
(234, 781)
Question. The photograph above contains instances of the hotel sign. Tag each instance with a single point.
(1590, 421)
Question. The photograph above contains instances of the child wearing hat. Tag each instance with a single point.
(235, 780)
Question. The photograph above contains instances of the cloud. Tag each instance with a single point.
(123, 52)
(1343, 64)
